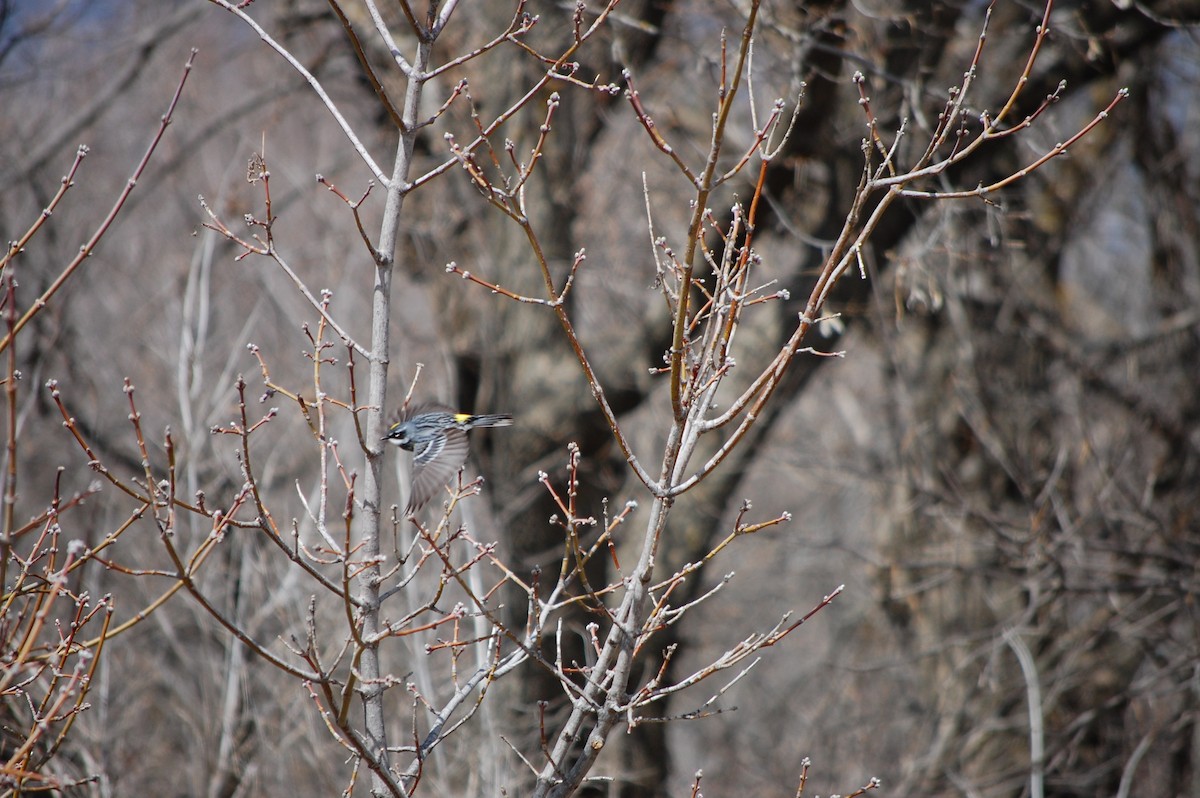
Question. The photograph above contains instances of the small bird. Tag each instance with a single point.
(437, 437)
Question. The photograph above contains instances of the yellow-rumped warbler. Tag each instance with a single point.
(437, 437)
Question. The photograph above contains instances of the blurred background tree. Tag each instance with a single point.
(1002, 468)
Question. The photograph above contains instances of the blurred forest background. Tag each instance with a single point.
(1003, 468)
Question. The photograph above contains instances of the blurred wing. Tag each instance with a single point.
(423, 407)
(434, 466)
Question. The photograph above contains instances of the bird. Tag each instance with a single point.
(437, 437)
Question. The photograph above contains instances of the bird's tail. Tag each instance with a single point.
(490, 420)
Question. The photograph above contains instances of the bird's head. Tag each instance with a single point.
(398, 434)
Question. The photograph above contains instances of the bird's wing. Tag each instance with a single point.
(434, 466)
(417, 408)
